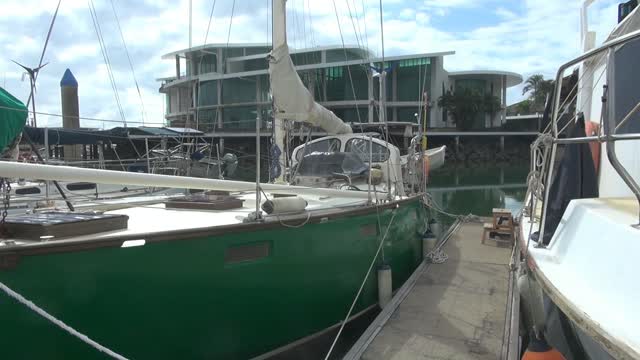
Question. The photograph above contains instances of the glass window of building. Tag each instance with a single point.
(232, 52)
(206, 63)
(240, 117)
(257, 50)
(337, 55)
(208, 93)
(327, 145)
(264, 88)
(360, 147)
(412, 76)
(239, 90)
(359, 114)
(307, 58)
(341, 88)
(376, 114)
(410, 114)
(207, 120)
(255, 64)
(476, 86)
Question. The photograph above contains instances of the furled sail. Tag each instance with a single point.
(291, 98)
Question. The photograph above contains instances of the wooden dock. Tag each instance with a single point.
(461, 309)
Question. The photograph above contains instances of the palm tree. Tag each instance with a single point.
(538, 88)
(464, 105)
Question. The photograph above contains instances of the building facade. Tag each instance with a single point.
(224, 89)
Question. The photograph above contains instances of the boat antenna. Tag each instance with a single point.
(33, 74)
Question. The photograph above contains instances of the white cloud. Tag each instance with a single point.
(536, 38)
(505, 13)
(450, 3)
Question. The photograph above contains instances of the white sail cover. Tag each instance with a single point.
(293, 101)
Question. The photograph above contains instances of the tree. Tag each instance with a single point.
(538, 88)
(464, 105)
(523, 107)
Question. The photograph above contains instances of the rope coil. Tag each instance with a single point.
(437, 256)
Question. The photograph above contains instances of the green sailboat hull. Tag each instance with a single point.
(233, 294)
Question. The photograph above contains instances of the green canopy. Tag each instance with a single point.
(13, 116)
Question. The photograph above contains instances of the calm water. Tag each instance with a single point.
(477, 190)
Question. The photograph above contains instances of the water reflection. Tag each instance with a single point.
(477, 190)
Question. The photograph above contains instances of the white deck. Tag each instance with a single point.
(584, 263)
(148, 215)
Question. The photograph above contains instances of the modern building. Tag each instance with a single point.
(224, 88)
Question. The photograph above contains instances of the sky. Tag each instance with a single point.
(527, 37)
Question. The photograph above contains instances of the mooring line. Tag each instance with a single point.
(59, 323)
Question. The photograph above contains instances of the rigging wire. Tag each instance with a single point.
(105, 55)
(233, 7)
(353, 304)
(76, 117)
(353, 90)
(133, 72)
(206, 35)
(311, 33)
(198, 85)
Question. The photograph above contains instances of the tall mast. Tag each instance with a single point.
(279, 23)
(279, 37)
(190, 21)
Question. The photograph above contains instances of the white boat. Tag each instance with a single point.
(579, 233)
(395, 171)
(436, 157)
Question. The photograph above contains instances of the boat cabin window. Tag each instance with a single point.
(28, 191)
(324, 146)
(360, 147)
(331, 164)
(81, 186)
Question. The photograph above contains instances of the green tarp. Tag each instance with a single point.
(13, 116)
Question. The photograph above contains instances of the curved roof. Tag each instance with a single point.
(513, 79)
(214, 46)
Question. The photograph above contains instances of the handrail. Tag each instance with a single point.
(605, 138)
(591, 53)
(609, 136)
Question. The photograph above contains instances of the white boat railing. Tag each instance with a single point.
(545, 150)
